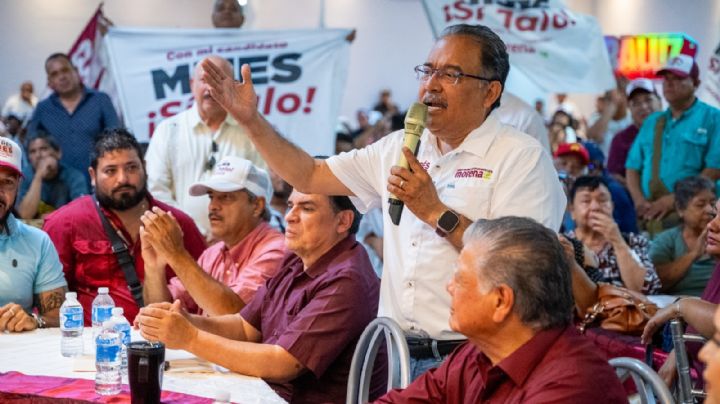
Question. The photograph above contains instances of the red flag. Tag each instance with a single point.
(84, 54)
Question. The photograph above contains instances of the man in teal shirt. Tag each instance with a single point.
(31, 276)
(690, 142)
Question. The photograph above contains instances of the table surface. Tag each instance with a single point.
(37, 353)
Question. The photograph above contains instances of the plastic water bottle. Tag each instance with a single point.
(71, 326)
(122, 326)
(101, 310)
(107, 360)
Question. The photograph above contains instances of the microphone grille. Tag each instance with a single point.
(416, 115)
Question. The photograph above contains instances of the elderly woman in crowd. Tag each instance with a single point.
(679, 253)
(622, 258)
(697, 313)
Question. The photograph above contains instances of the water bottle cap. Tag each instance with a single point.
(70, 295)
(117, 311)
(222, 396)
(103, 290)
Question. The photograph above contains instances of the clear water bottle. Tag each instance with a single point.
(71, 326)
(107, 360)
(101, 310)
(122, 326)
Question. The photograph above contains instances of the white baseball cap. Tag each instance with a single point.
(640, 84)
(233, 174)
(682, 66)
(10, 155)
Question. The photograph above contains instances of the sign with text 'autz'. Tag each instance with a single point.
(642, 55)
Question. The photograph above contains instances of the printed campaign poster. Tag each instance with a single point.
(709, 90)
(557, 49)
(299, 76)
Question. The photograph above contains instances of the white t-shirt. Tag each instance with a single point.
(497, 171)
(177, 156)
(520, 115)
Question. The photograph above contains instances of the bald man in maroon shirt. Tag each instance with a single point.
(511, 296)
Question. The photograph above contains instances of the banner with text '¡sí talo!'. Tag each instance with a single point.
(557, 49)
(299, 76)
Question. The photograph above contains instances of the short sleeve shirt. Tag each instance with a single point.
(317, 315)
(497, 171)
(690, 144)
(669, 246)
(30, 264)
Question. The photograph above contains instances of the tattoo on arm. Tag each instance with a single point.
(51, 300)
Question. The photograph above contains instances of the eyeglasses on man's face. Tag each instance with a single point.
(450, 75)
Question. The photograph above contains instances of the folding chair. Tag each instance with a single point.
(650, 386)
(361, 368)
(685, 390)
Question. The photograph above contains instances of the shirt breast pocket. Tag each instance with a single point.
(94, 261)
(694, 145)
(470, 197)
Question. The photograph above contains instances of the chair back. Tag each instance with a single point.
(650, 386)
(686, 392)
(361, 368)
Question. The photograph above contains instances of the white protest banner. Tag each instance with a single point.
(557, 49)
(710, 83)
(298, 75)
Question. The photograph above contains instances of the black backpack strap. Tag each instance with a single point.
(126, 261)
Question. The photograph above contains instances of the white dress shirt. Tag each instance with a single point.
(15, 105)
(177, 157)
(497, 171)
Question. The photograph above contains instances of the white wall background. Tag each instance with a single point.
(393, 35)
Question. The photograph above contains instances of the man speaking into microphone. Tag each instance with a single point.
(468, 166)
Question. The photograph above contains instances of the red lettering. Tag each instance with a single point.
(526, 23)
(169, 109)
(508, 16)
(282, 106)
(465, 12)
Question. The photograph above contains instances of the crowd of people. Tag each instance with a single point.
(252, 254)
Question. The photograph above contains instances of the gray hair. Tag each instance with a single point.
(493, 53)
(527, 257)
(688, 188)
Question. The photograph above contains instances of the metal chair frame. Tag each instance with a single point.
(650, 386)
(686, 393)
(363, 361)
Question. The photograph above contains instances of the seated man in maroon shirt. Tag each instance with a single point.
(300, 330)
(117, 172)
(511, 297)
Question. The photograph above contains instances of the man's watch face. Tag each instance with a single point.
(448, 221)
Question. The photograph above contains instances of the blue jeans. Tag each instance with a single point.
(420, 366)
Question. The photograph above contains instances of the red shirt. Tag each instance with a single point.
(317, 315)
(86, 252)
(555, 366)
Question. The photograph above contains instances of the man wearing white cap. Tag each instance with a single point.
(688, 144)
(642, 101)
(227, 275)
(30, 274)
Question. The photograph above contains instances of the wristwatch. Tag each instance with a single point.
(38, 320)
(447, 222)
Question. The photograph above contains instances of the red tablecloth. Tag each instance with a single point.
(16, 387)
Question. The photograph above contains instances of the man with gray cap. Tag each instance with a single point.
(227, 274)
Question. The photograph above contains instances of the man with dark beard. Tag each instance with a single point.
(117, 172)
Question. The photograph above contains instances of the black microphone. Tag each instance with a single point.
(414, 126)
